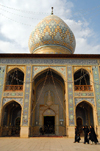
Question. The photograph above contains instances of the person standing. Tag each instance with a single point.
(86, 131)
(41, 131)
(77, 135)
(92, 135)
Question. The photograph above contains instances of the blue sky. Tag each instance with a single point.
(18, 18)
(90, 10)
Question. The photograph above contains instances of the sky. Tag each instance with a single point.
(19, 17)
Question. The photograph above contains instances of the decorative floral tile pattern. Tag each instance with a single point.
(70, 96)
(19, 100)
(49, 61)
(2, 73)
(97, 90)
(37, 69)
(83, 94)
(91, 100)
(27, 96)
(52, 31)
(9, 94)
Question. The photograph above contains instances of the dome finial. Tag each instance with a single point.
(51, 10)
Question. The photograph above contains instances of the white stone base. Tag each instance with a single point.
(71, 131)
(24, 132)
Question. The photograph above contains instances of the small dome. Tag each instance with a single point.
(52, 35)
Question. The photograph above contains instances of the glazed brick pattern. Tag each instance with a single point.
(70, 96)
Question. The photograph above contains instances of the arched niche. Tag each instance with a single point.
(48, 92)
(84, 112)
(14, 80)
(81, 77)
(15, 77)
(82, 80)
(11, 118)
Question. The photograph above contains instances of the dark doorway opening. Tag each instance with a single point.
(11, 119)
(79, 124)
(84, 115)
(49, 124)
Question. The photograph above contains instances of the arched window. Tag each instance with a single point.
(82, 80)
(14, 80)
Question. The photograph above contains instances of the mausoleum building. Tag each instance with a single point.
(51, 90)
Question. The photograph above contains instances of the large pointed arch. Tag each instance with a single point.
(9, 100)
(84, 100)
(41, 103)
(47, 69)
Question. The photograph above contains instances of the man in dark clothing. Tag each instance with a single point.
(92, 135)
(77, 135)
(86, 131)
(41, 131)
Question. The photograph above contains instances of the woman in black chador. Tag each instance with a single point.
(92, 135)
(77, 135)
(86, 131)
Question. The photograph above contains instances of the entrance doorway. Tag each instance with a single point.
(79, 124)
(49, 124)
(84, 115)
(11, 119)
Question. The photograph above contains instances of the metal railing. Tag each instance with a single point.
(14, 88)
(83, 88)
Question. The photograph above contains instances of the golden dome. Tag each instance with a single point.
(52, 35)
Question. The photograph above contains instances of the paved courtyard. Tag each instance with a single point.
(45, 144)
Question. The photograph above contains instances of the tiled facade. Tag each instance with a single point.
(39, 61)
(63, 67)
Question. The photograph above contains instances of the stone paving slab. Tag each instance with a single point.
(45, 144)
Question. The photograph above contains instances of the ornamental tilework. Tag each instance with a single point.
(49, 61)
(91, 100)
(83, 94)
(77, 68)
(60, 69)
(70, 96)
(9, 94)
(2, 73)
(27, 96)
(19, 100)
(37, 69)
(97, 90)
(52, 31)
